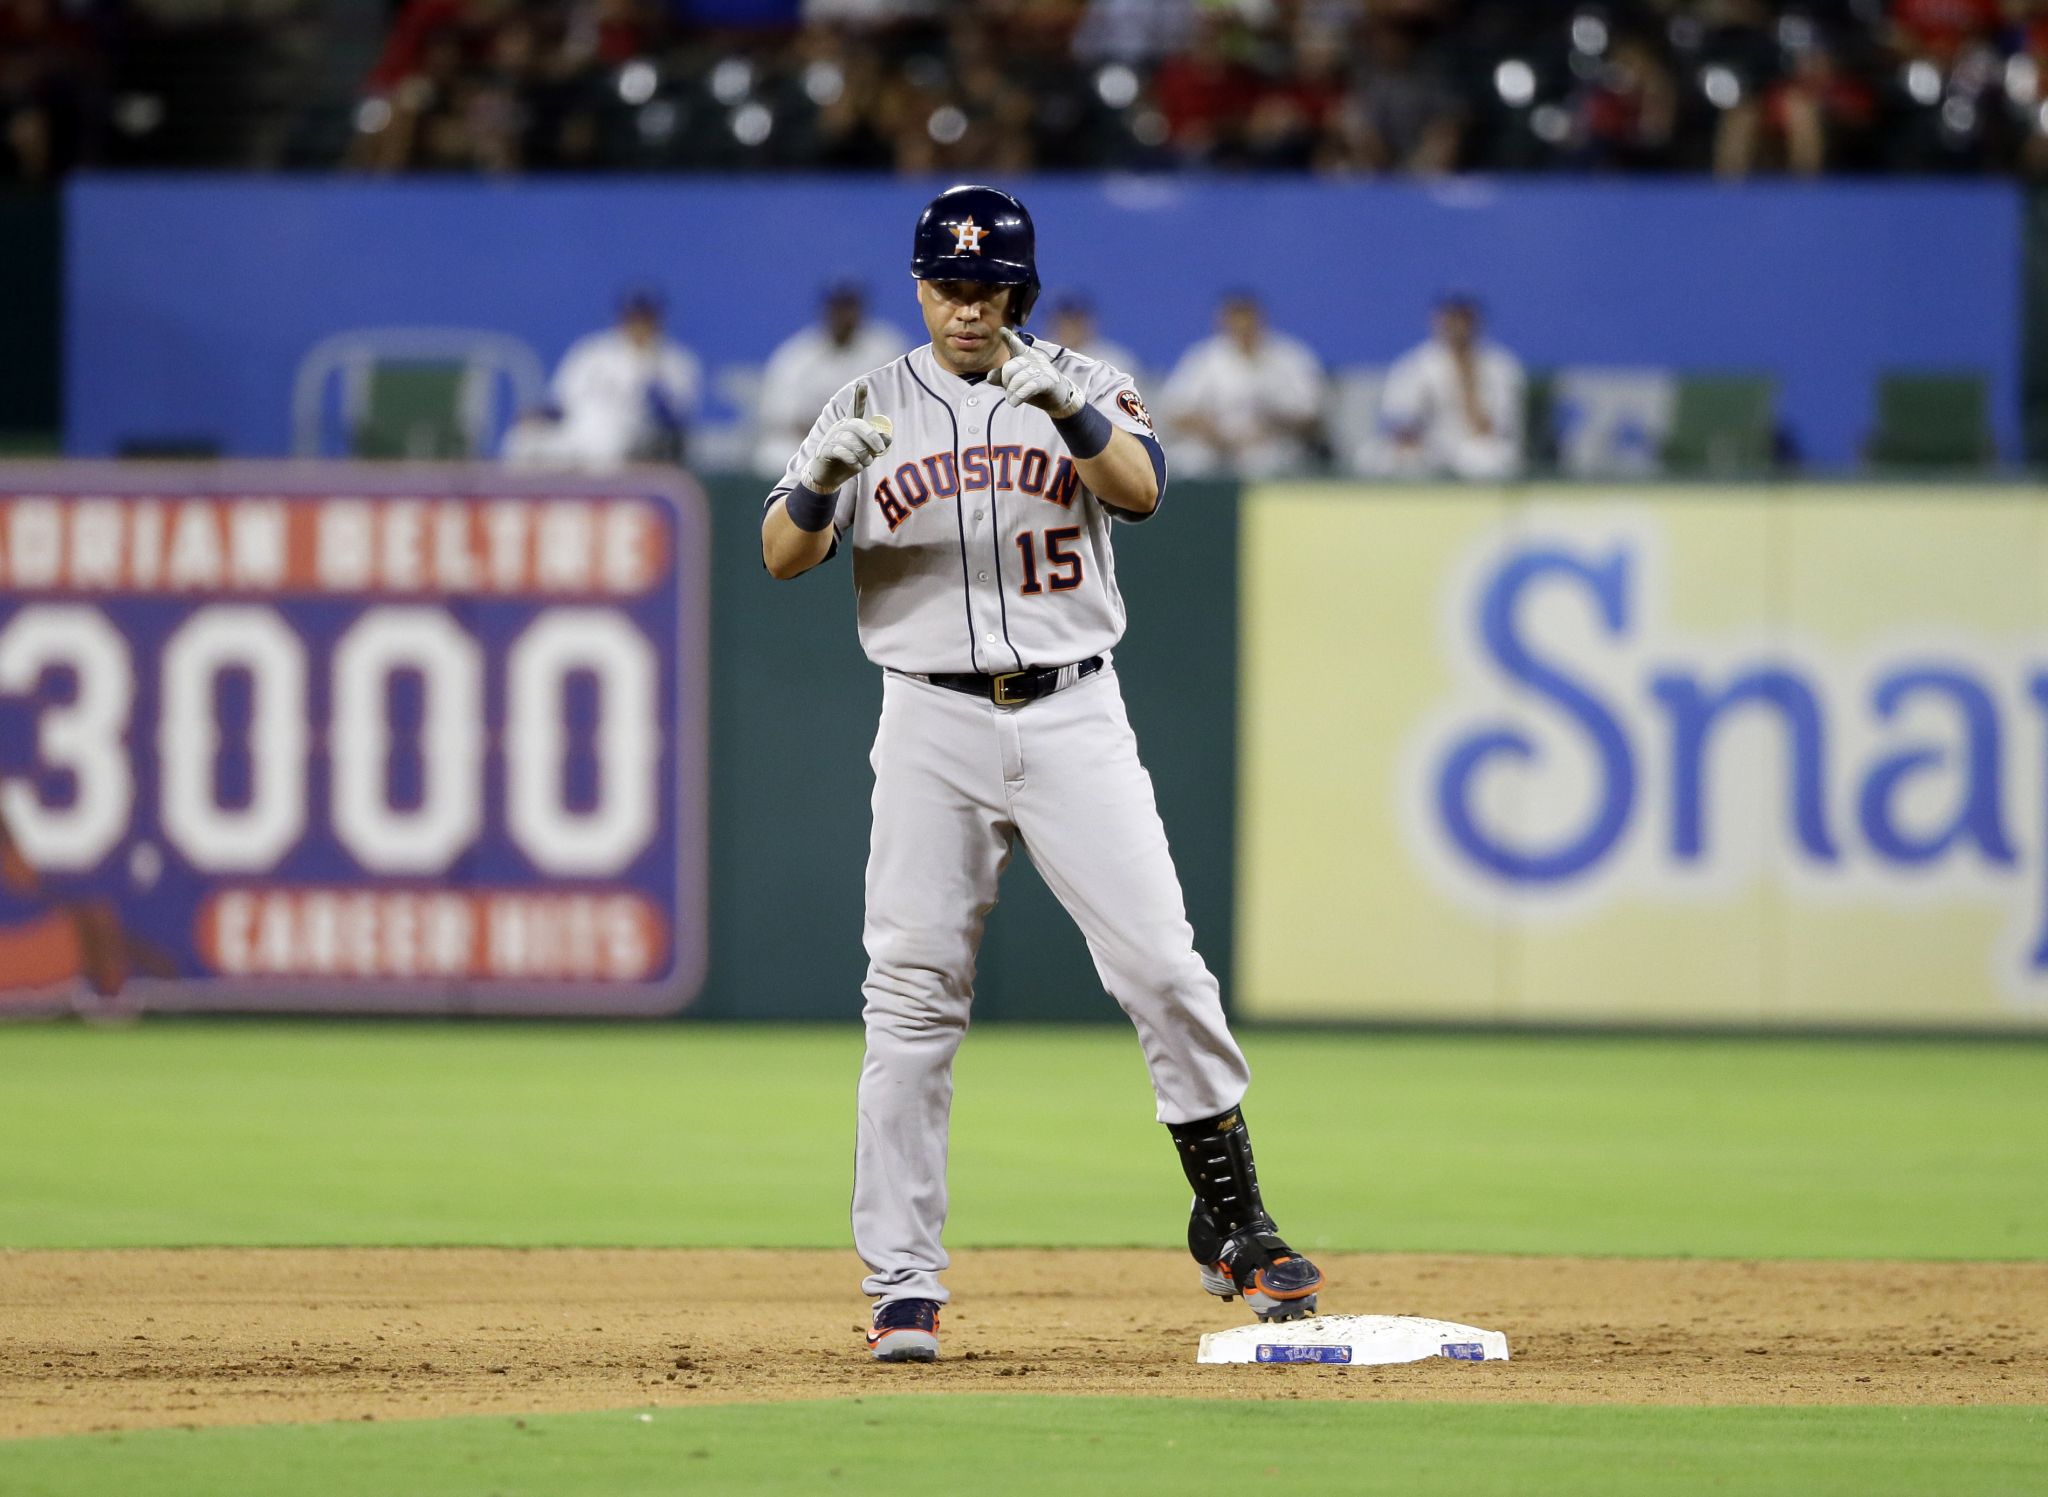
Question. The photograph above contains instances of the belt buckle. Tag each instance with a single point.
(999, 690)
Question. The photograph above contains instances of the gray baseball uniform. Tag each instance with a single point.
(976, 548)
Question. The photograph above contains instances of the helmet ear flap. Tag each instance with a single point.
(1024, 300)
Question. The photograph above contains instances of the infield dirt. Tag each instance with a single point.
(130, 1339)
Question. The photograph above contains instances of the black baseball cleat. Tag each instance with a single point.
(1229, 1231)
(905, 1330)
(1275, 1282)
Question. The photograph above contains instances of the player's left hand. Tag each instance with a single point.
(1029, 378)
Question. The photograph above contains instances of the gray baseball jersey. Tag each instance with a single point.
(976, 547)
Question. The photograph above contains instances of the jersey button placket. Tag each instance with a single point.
(983, 609)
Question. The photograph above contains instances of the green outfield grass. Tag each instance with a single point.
(1034, 1446)
(281, 1133)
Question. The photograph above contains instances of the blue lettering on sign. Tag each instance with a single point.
(1889, 769)
(1607, 582)
(1980, 818)
(1462, 1351)
(1694, 710)
(1273, 1352)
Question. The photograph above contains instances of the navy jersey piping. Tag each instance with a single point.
(959, 520)
(995, 530)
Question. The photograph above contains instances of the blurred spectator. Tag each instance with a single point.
(1939, 30)
(2026, 82)
(622, 395)
(1628, 113)
(1206, 91)
(49, 86)
(1818, 112)
(1950, 83)
(1296, 122)
(1133, 31)
(450, 89)
(461, 28)
(1739, 57)
(1453, 406)
(811, 366)
(1072, 325)
(1247, 401)
(1406, 116)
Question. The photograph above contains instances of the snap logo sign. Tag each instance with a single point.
(1831, 743)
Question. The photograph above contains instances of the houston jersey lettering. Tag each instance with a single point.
(976, 546)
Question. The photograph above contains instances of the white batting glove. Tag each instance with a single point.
(849, 445)
(1029, 378)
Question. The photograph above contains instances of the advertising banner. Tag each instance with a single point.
(1745, 756)
(340, 739)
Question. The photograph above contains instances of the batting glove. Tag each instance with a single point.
(849, 445)
(1029, 378)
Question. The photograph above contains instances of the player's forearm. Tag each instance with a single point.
(1121, 475)
(789, 550)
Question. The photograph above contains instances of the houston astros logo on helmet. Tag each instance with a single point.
(966, 237)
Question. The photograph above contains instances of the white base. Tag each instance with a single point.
(1368, 1340)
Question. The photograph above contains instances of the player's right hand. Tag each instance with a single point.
(849, 445)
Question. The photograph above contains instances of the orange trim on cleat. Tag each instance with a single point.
(1259, 1283)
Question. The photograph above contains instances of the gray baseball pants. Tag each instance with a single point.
(958, 781)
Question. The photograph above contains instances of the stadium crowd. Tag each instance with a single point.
(1733, 87)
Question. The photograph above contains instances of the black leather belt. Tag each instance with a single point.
(1016, 687)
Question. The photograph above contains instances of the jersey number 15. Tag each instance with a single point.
(1062, 566)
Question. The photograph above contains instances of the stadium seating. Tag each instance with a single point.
(1932, 420)
(1722, 426)
(410, 392)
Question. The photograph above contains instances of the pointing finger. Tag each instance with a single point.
(1011, 341)
(860, 398)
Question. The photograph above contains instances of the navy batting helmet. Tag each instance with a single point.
(970, 233)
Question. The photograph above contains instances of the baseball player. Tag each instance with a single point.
(976, 479)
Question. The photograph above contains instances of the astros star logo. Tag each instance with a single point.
(967, 238)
